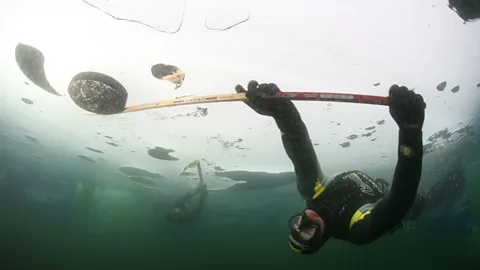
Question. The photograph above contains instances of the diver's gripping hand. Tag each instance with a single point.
(262, 105)
(406, 107)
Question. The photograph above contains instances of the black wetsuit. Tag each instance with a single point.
(190, 212)
(354, 207)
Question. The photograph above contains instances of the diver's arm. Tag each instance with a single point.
(185, 198)
(299, 148)
(368, 224)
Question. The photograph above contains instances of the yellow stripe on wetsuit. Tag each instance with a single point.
(319, 189)
(294, 249)
(361, 213)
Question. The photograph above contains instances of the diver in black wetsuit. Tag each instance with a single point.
(181, 211)
(352, 206)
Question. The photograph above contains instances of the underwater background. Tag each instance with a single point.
(53, 217)
(84, 191)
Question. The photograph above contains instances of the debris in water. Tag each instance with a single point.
(376, 84)
(98, 93)
(142, 180)
(108, 137)
(352, 137)
(441, 86)
(368, 134)
(226, 144)
(199, 112)
(456, 89)
(381, 122)
(30, 60)
(26, 100)
(132, 171)
(94, 150)
(161, 153)
(33, 139)
(86, 158)
(248, 180)
(26, 83)
(169, 73)
(370, 128)
(112, 144)
(428, 148)
(209, 163)
(218, 168)
(440, 138)
(440, 134)
(345, 144)
(374, 139)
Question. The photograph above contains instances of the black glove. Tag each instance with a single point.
(468, 10)
(406, 108)
(264, 106)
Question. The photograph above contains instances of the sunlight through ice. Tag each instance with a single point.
(339, 47)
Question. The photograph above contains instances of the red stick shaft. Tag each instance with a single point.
(337, 97)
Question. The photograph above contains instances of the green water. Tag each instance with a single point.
(122, 227)
(247, 230)
(130, 241)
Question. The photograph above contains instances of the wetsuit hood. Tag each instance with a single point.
(307, 232)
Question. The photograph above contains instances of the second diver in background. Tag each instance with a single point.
(183, 209)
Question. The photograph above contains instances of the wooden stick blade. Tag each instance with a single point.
(187, 101)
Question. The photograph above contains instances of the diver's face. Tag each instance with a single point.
(306, 231)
